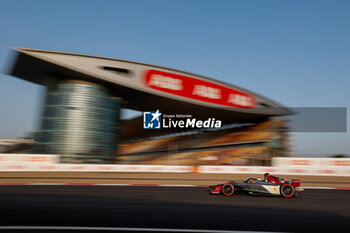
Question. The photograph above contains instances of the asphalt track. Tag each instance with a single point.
(172, 207)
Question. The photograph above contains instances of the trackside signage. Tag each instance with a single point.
(197, 89)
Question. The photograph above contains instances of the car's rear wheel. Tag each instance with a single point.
(228, 189)
(287, 190)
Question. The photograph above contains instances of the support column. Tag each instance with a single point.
(79, 122)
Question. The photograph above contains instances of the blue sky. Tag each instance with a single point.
(295, 52)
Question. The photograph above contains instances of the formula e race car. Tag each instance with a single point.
(271, 185)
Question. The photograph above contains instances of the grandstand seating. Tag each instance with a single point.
(143, 146)
(237, 156)
(236, 146)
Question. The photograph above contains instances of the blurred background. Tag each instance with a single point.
(294, 52)
(76, 119)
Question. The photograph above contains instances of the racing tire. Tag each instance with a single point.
(287, 190)
(228, 189)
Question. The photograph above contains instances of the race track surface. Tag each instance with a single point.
(172, 207)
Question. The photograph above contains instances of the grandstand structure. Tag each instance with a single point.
(15, 145)
(85, 96)
(247, 145)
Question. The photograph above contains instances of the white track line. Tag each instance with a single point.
(177, 185)
(149, 185)
(45, 184)
(318, 188)
(113, 184)
(67, 228)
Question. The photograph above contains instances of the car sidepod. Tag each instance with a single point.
(259, 188)
(273, 189)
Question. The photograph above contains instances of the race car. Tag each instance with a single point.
(271, 185)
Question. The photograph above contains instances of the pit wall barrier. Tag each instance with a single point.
(312, 171)
(310, 162)
(283, 165)
(28, 159)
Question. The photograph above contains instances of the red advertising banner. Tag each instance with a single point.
(197, 89)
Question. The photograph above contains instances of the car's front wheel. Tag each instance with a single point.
(228, 189)
(287, 190)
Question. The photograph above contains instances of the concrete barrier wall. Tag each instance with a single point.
(28, 159)
(310, 162)
(287, 166)
(316, 171)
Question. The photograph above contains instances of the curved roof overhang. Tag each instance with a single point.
(147, 87)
